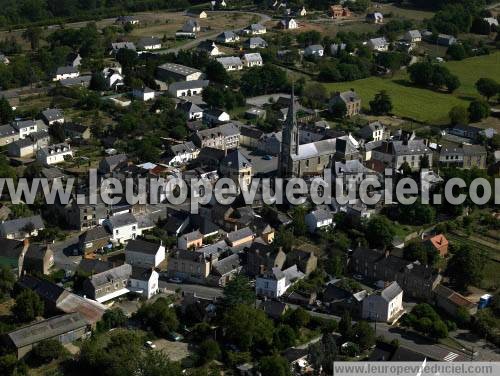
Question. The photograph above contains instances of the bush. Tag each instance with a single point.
(48, 350)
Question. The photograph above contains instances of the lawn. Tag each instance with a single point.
(422, 104)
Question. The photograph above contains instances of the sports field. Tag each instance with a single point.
(422, 104)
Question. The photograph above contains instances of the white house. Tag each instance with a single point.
(210, 48)
(115, 47)
(144, 254)
(145, 94)
(374, 131)
(255, 42)
(231, 63)
(314, 50)
(192, 110)
(227, 37)
(318, 219)
(21, 228)
(197, 14)
(191, 26)
(54, 154)
(149, 43)
(256, 29)
(375, 17)
(288, 24)
(252, 60)
(123, 227)
(127, 20)
(25, 127)
(144, 281)
(113, 78)
(187, 88)
(413, 36)
(384, 306)
(52, 115)
(274, 283)
(215, 116)
(491, 20)
(378, 44)
(63, 73)
(182, 153)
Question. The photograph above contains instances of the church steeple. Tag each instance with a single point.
(290, 139)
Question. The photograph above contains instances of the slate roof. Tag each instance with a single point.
(66, 70)
(185, 147)
(149, 41)
(122, 220)
(235, 159)
(273, 308)
(142, 246)
(95, 233)
(10, 248)
(240, 234)
(16, 225)
(49, 328)
(255, 56)
(7, 130)
(256, 41)
(179, 69)
(93, 266)
(414, 34)
(391, 291)
(186, 85)
(322, 215)
(121, 272)
(52, 114)
(229, 60)
(189, 107)
(227, 265)
(126, 45)
(141, 274)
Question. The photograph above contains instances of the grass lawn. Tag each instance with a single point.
(422, 104)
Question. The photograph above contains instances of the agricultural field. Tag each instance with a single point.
(422, 104)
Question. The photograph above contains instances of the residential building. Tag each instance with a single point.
(252, 60)
(4, 59)
(255, 42)
(52, 115)
(64, 328)
(337, 48)
(446, 40)
(314, 50)
(413, 36)
(224, 269)
(351, 100)
(191, 240)
(8, 135)
(180, 154)
(416, 280)
(338, 11)
(374, 131)
(379, 44)
(274, 283)
(127, 20)
(63, 73)
(237, 167)
(197, 13)
(215, 116)
(262, 257)
(394, 153)
(144, 282)
(439, 243)
(191, 26)
(76, 131)
(38, 259)
(231, 63)
(93, 240)
(53, 154)
(109, 284)
(110, 163)
(306, 260)
(190, 266)
(474, 156)
(192, 110)
(115, 47)
(255, 29)
(224, 137)
(318, 219)
(274, 309)
(187, 88)
(375, 17)
(144, 254)
(144, 94)
(74, 59)
(227, 37)
(83, 81)
(492, 21)
(243, 236)
(149, 43)
(123, 227)
(288, 24)
(210, 48)
(25, 127)
(113, 78)
(21, 228)
(385, 305)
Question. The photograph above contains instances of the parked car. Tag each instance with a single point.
(173, 336)
(175, 280)
(267, 157)
(150, 345)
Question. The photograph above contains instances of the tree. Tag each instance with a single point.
(97, 82)
(274, 365)
(345, 326)
(480, 26)
(28, 306)
(155, 363)
(338, 109)
(381, 104)
(6, 112)
(456, 52)
(466, 267)
(33, 36)
(459, 115)
(439, 329)
(487, 87)
(299, 318)
(379, 232)
(209, 350)
(127, 58)
(364, 335)
(248, 327)
(7, 281)
(238, 291)
(159, 316)
(478, 110)
(215, 72)
(323, 353)
(315, 95)
(48, 350)
(112, 318)
(284, 337)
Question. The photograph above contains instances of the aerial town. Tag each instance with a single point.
(194, 105)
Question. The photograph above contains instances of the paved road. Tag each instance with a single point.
(201, 291)
(64, 258)
(194, 42)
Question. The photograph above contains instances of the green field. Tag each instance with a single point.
(422, 104)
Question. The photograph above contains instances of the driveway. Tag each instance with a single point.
(64, 253)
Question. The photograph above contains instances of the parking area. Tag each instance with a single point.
(259, 164)
(176, 351)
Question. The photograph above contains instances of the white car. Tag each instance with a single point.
(150, 345)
